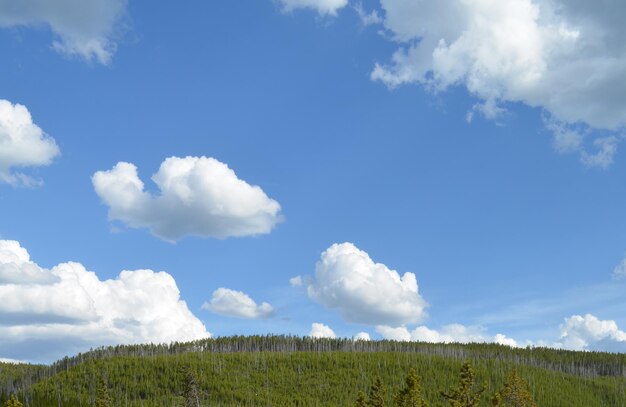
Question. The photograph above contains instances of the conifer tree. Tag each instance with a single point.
(103, 399)
(377, 394)
(514, 393)
(411, 394)
(12, 402)
(464, 394)
(360, 400)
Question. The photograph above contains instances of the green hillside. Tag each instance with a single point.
(286, 371)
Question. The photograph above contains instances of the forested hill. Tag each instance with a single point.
(279, 370)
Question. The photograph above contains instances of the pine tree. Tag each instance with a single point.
(377, 394)
(12, 402)
(411, 394)
(360, 400)
(103, 399)
(514, 393)
(464, 395)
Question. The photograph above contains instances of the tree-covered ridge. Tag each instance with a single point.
(586, 364)
(277, 371)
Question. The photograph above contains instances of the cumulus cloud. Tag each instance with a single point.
(590, 333)
(501, 339)
(365, 292)
(448, 334)
(46, 314)
(22, 144)
(361, 336)
(321, 331)
(198, 196)
(323, 7)
(561, 56)
(237, 304)
(86, 28)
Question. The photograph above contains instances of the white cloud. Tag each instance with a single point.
(321, 331)
(619, 271)
(591, 333)
(12, 361)
(237, 304)
(82, 27)
(22, 144)
(560, 56)
(296, 281)
(46, 314)
(503, 340)
(605, 147)
(448, 334)
(363, 291)
(323, 7)
(367, 19)
(361, 336)
(198, 196)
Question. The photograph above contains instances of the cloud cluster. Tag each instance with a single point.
(22, 144)
(237, 304)
(321, 331)
(68, 309)
(198, 196)
(448, 334)
(365, 292)
(561, 56)
(82, 27)
(323, 7)
(590, 333)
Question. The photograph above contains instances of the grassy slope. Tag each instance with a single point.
(303, 378)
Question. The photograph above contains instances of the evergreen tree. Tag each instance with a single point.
(12, 402)
(514, 393)
(360, 400)
(464, 394)
(377, 394)
(103, 399)
(411, 394)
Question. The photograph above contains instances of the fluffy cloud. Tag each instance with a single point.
(561, 56)
(236, 304)
(296, 281)
(448, 334)
(22, 144)
(361, 336)
(46, 314)
(363, 291)
(321, 331)
(199, 196)
(323, 7)
(591, 333)
(82, 27)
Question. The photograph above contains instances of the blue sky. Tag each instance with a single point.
(476, 147)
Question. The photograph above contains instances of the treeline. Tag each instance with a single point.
(301, 378)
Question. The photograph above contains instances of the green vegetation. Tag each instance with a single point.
(465, 394)
(12, 402)
(515, 393)
(287, 371)
(411, 394)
